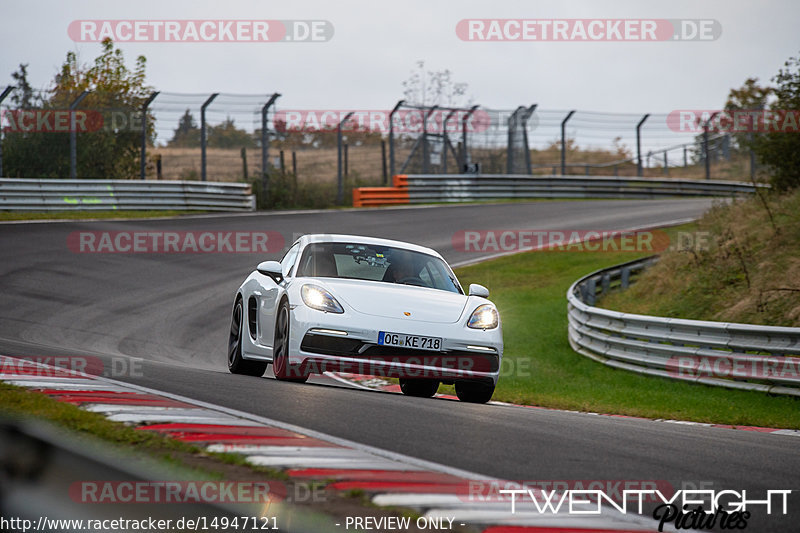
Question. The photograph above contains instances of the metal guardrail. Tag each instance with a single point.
(102, 195)
(739, 356)
(427, 188)
(471, 187)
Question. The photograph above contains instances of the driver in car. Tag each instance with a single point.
(401, 268)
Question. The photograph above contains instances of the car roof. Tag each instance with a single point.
(360, 239)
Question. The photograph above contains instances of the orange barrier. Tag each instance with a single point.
(376, 196)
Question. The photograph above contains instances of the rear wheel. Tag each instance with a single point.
(421, 388)
(280, 349)
(236, 363)
(474, 391)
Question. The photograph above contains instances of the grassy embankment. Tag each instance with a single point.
(541, 369)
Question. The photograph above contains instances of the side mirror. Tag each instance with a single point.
(272, 269)
(478, 290)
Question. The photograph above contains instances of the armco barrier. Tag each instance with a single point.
(435, 188)
(102, 195)
(739, 356)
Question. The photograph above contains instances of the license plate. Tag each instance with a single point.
(402, 340)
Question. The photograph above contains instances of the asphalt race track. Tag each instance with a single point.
(172, 311)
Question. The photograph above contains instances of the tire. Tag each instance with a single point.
(421, 388)
(280, 349)
(236, 363)
(474, 391)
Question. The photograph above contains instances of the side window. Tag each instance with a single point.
(288, 260)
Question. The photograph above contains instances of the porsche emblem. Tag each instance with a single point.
(406, 313)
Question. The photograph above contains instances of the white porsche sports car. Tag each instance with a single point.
(363, 305)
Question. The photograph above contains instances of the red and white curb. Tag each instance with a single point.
(380, 384)
(391, 479)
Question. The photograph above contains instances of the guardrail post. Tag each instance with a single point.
(339, 180)
(625, 277)
(391, 136)
(73, 136)
(564, 142)
(144, 133)
(425, 149)
(203, 134)
(5, 93)
(464, 136)
(591, 292)
(705, 145)
(265, 148)
(526, 115)
(639, 145)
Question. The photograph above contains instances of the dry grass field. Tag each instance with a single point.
(365, 164)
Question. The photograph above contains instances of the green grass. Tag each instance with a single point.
(18, 402)
(540, 368)
(91, 215)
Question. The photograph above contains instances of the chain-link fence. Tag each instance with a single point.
(250, 137)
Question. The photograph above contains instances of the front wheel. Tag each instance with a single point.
(236, 363)
(280, 349)
(421, 388)
(474, 391)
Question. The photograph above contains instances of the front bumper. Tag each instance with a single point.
(336, 344)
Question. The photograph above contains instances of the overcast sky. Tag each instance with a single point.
(377, 43)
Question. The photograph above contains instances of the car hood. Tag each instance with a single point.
(394, 301)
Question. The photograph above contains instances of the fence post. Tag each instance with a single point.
(265, 148)
(383, 163)
(639, 145)
(685, 159)
(425, 149)
(339, 180)
(391, 136)
(705, 145)
(666, 164)
(526, 115)
(5, 93)
(346, 159)
(464, 135)
(244, 162)
(564, 142)
(510, 126)
(203, 134)
(73, 136)
(144, 133)
(446, 141)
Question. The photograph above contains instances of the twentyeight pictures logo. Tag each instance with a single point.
(200, 31)
(588, 30)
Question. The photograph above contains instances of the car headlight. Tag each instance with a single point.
(484, 317)
(318, 298)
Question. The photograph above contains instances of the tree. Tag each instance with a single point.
(22, 97)
(749, 97)
(227, 135)
(187, 134)
(429, 88)
(780, 150)
(109, 145)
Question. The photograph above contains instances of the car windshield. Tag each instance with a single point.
(376, 263)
